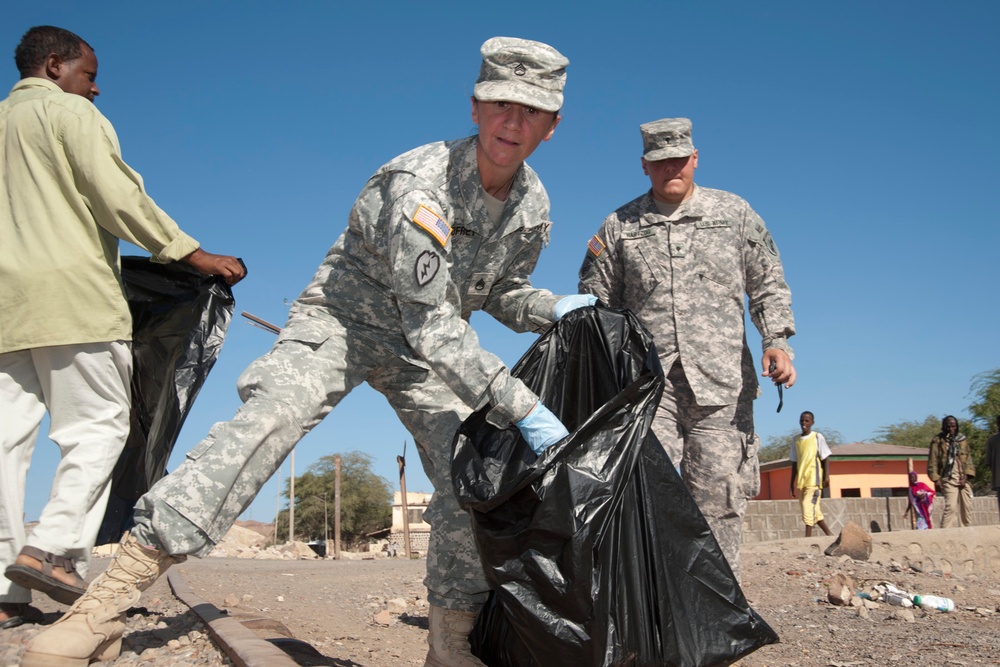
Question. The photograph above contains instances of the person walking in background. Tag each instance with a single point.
(66, 198)
(390, 306)
(950, 465)
(682, 257)
(921, 502)
(993, 460)
(810, 472)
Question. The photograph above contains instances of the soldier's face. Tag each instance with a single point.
(510, 132)
(78, 76)
(672, 179)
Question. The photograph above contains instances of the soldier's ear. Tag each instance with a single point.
(645, 169)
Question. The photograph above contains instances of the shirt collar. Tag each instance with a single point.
(35, 82)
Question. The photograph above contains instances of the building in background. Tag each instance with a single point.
(420, 531)
(857, 470)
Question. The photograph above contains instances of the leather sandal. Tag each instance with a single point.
(19, 613)
(41, 579)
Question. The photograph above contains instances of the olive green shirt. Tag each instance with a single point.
(66, 198)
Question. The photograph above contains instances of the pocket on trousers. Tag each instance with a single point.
(750, 466)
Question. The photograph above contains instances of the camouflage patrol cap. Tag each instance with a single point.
(522, 71)
(666, 138)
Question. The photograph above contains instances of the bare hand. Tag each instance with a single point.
(228, 267)
(784, 371)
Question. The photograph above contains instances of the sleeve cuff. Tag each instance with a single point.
(511, 402)
(178, 249)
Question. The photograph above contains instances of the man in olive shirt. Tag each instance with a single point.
(66, 198)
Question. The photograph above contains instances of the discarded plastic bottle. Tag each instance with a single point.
(897, 599)
(934, 602)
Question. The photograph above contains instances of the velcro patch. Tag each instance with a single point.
(426, 267)
(711, 224)
(639, 233)
(596, 246)
(432, 222)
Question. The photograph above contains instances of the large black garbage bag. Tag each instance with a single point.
(595, 551)
(179, 321)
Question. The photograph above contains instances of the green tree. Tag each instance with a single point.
(910, 433)
(984, 410)
(779, 446)
(365, 500)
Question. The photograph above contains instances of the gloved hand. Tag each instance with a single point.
(572, 302)
(541, 428)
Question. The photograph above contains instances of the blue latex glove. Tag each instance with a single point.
(541, 428)
(572, 302)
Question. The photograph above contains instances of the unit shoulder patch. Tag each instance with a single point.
(426, 267)
(432, 223)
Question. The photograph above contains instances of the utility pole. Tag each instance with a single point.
(401, 460)
(912, 512)
(291, 499)
(336, 507)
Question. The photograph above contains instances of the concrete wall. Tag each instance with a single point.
(782, 519)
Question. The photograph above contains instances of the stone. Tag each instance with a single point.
(853, 541)
(841, 590)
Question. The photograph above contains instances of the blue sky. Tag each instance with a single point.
(864, 134)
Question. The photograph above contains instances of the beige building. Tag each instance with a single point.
(420, 530)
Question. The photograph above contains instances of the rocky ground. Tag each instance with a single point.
(373, 613)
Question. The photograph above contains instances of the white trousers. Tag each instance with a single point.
(85, 389)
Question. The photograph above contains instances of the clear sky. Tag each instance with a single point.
(865, 134)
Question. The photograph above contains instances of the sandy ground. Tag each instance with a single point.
(374, 612)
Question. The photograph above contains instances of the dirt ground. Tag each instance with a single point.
(373, 613)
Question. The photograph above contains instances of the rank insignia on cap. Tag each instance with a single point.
(426, 267)
(432, 222)
(520, 69)
(596, 246)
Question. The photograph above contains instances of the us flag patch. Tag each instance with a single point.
(596, 246)
(432, 222)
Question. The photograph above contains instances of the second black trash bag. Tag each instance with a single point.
(595, 551)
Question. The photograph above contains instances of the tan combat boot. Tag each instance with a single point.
(449, 638)
(92, 628)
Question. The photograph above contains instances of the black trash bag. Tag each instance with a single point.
(595, 552)
(179, 321)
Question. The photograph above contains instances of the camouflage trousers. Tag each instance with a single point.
(286, 393)
(715, 449)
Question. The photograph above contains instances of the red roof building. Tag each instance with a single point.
(857, 470)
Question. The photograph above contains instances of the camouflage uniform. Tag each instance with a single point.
(388, 306)
(684, 277)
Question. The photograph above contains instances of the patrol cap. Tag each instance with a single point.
(666, 138)
(522, 71)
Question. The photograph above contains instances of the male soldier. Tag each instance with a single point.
(388, 306)
(66, 198)
(681, 257)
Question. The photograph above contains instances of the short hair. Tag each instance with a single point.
(40, 41)
(806, 412)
